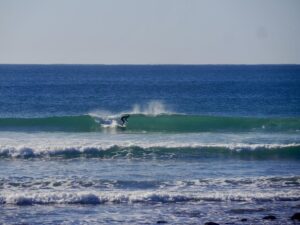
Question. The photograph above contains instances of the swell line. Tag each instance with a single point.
(289, 151)
(145, 123)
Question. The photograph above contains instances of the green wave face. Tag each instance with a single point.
(184, 123)
(161, 123)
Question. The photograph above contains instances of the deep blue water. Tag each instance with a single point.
(28, 90)
(202, 143)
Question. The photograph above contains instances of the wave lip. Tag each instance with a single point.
(141, 197)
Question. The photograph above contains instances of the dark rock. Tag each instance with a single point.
(211, 223)
(244, 220)
(161, 221)
(270, 217)
(296, 216)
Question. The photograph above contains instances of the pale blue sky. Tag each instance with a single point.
(150, 32)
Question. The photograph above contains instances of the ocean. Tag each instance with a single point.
(203, 143)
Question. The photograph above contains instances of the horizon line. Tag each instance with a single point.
(156, 64)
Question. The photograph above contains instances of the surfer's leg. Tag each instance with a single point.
(123, 120)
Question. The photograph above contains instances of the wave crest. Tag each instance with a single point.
(259, 151)
(132, 197)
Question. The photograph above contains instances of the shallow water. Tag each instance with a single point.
(144, 191)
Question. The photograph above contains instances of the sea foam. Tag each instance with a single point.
(24, 145)
(85, 197)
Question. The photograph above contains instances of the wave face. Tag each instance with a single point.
(189, 123)
(148, 123)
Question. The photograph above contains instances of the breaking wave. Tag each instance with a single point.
(151, 123)
(112, 197)
(247, 151)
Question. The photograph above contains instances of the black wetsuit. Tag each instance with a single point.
(124, 119)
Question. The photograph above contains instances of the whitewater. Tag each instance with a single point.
(46, 145)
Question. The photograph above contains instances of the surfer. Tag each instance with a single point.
(124, 119)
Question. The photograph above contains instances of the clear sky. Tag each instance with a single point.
(150, 31)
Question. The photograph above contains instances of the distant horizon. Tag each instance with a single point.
(156, 64)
